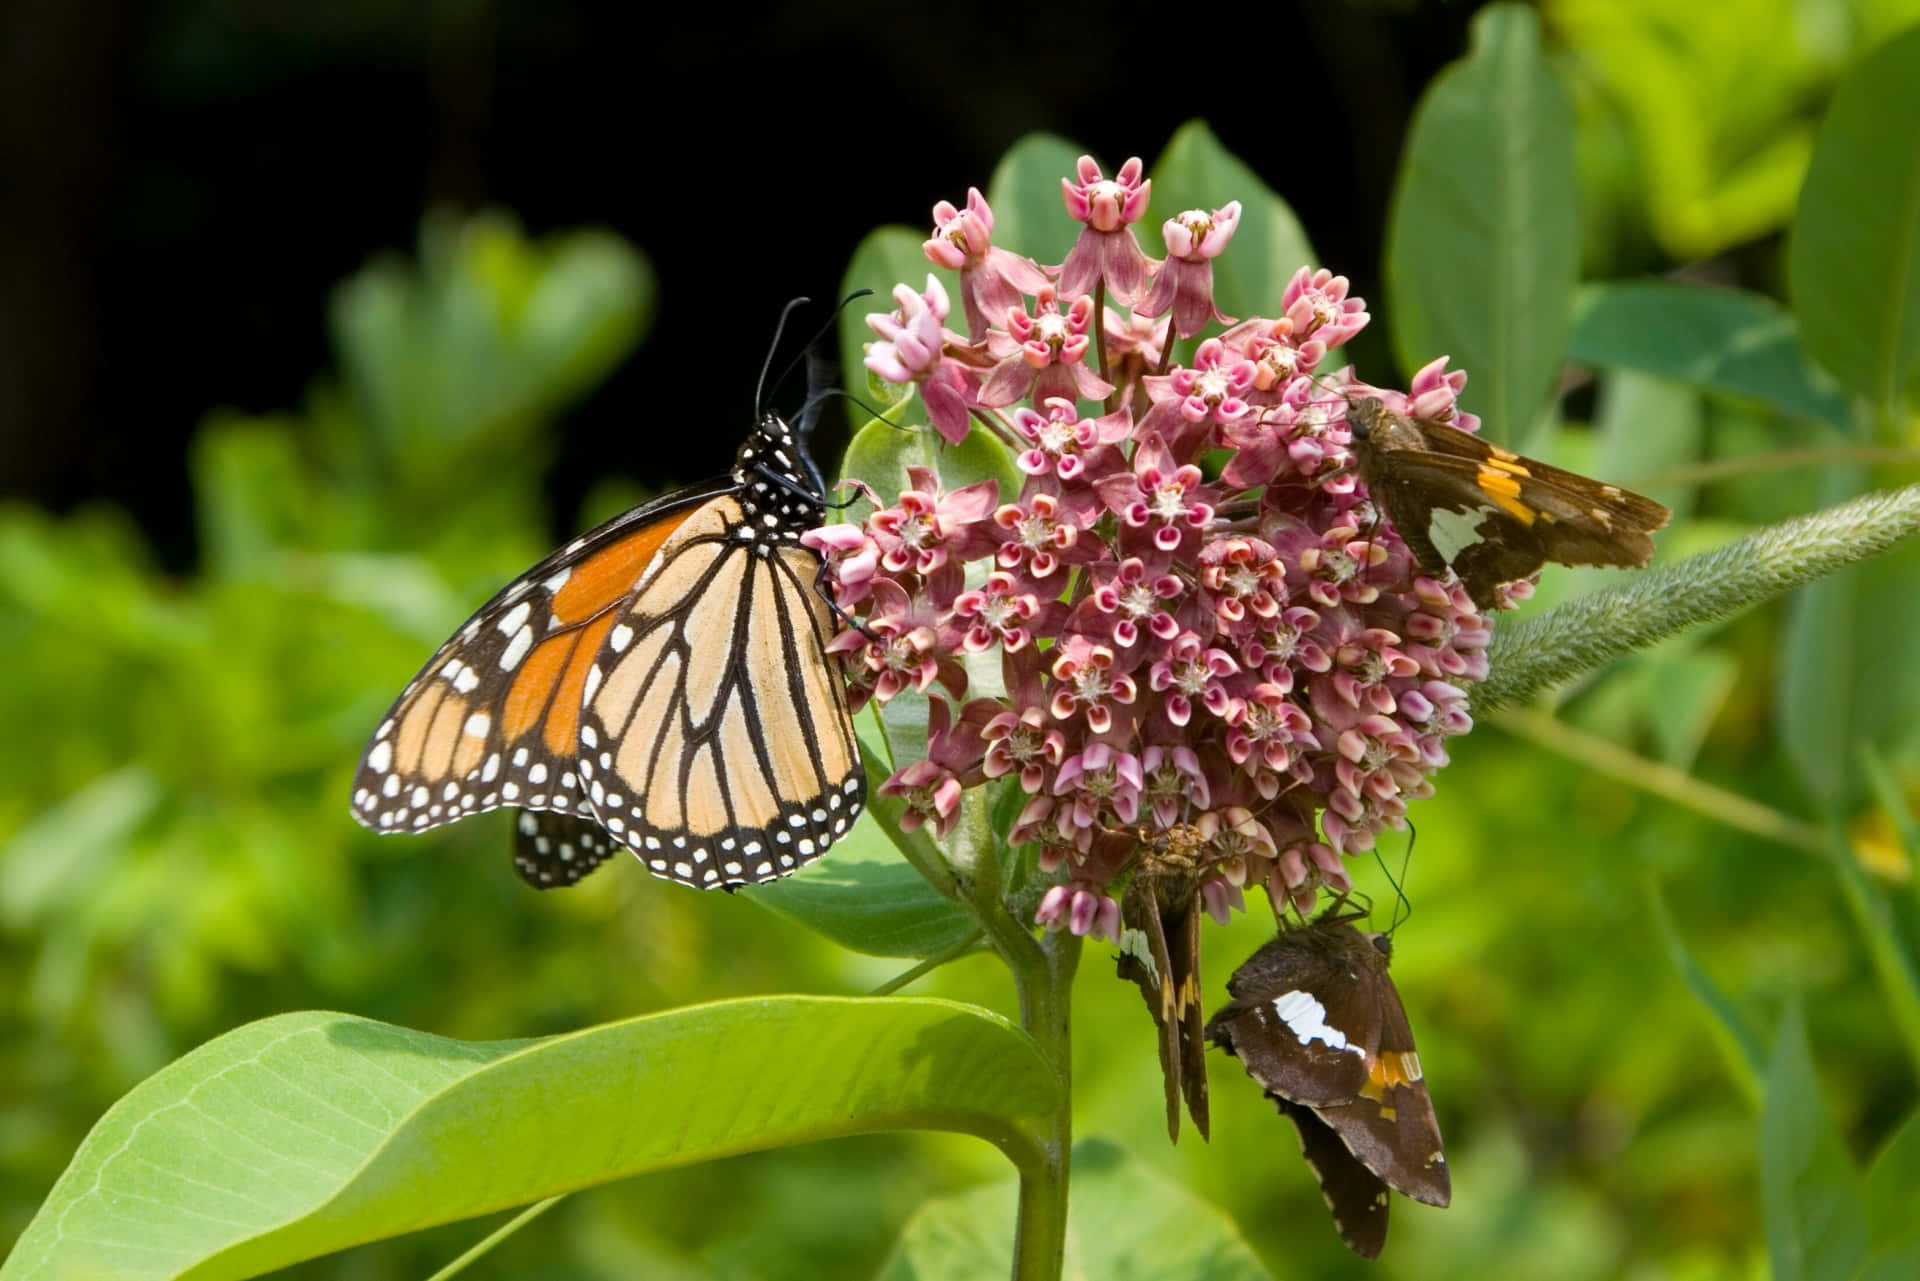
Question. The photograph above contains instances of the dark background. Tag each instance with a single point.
(180, 184)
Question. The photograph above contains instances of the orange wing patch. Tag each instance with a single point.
(494, 718)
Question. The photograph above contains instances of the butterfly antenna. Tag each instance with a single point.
(1402, 905)
(807, 351)
(779, 331)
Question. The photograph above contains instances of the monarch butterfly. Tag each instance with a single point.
(661, 681)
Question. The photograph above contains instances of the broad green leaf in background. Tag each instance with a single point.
(881, 452)
(1694, 116)
(868, 898)
(490, 333)
(1484, 238)
(1854, 258)
(1847, 672)
(69, 847)
(1892, 1200)
(1723, 340)
(1127, 1222)
(1816, 1226)
(1029, 216)
(306, 1133)
(1269, 245)
(888, 256)
(1644, 425)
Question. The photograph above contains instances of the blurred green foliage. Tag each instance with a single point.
(1601, 981)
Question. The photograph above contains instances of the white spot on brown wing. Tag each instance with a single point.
(538, 774)
(478, 724)
(390, 788)
(420, 797)
(1306, 1018)
(516, 648)
(492, 769)
(559, 580)
(380, 759)
(516, 618)
(620, 637)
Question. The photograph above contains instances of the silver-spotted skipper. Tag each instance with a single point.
(1160, 915)
(1316, 1021)
(1487, 513)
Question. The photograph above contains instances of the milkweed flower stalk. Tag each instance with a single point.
(1208, 637)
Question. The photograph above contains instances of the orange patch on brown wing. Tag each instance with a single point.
(1389, 1070)
(563, 722)
(533, 686)
(607, 575)
(1504, 488)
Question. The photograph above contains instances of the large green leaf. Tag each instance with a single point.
(867, 897)
(881, 452)
(306, 1133)
(1029, 215)
(1484, 238)
(1854, 260)
(1269, 245)
(1719, 339)
(1847, 672)
(1816, 1228)
(1126, 1222)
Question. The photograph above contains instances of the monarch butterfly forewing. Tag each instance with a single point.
(664, 675)
(493, 718)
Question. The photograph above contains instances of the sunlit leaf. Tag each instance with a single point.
(307, 1133)
(865, 896)
(1484, 240)
(1816, 1227)
(1126, 1221)
(1722, 340)
(1029, 216)
(1854, 255)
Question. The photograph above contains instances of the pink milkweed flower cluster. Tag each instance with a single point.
(1202, 622)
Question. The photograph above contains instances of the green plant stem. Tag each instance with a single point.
(1661, 780)
(1043, 976)
(1046, 1012)
(495, 1237)
(932, 963)
(1552, 648)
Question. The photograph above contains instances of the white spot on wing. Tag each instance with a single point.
(516, 648)
(381, 757)
(1452, 532)
(478, 724)
(1306, 1018)
(515, 619)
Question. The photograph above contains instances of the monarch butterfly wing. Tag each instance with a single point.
(493, 718)
(552, 850)
(715, 736)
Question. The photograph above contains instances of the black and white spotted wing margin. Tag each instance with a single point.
(551, 851)
(715, 738)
